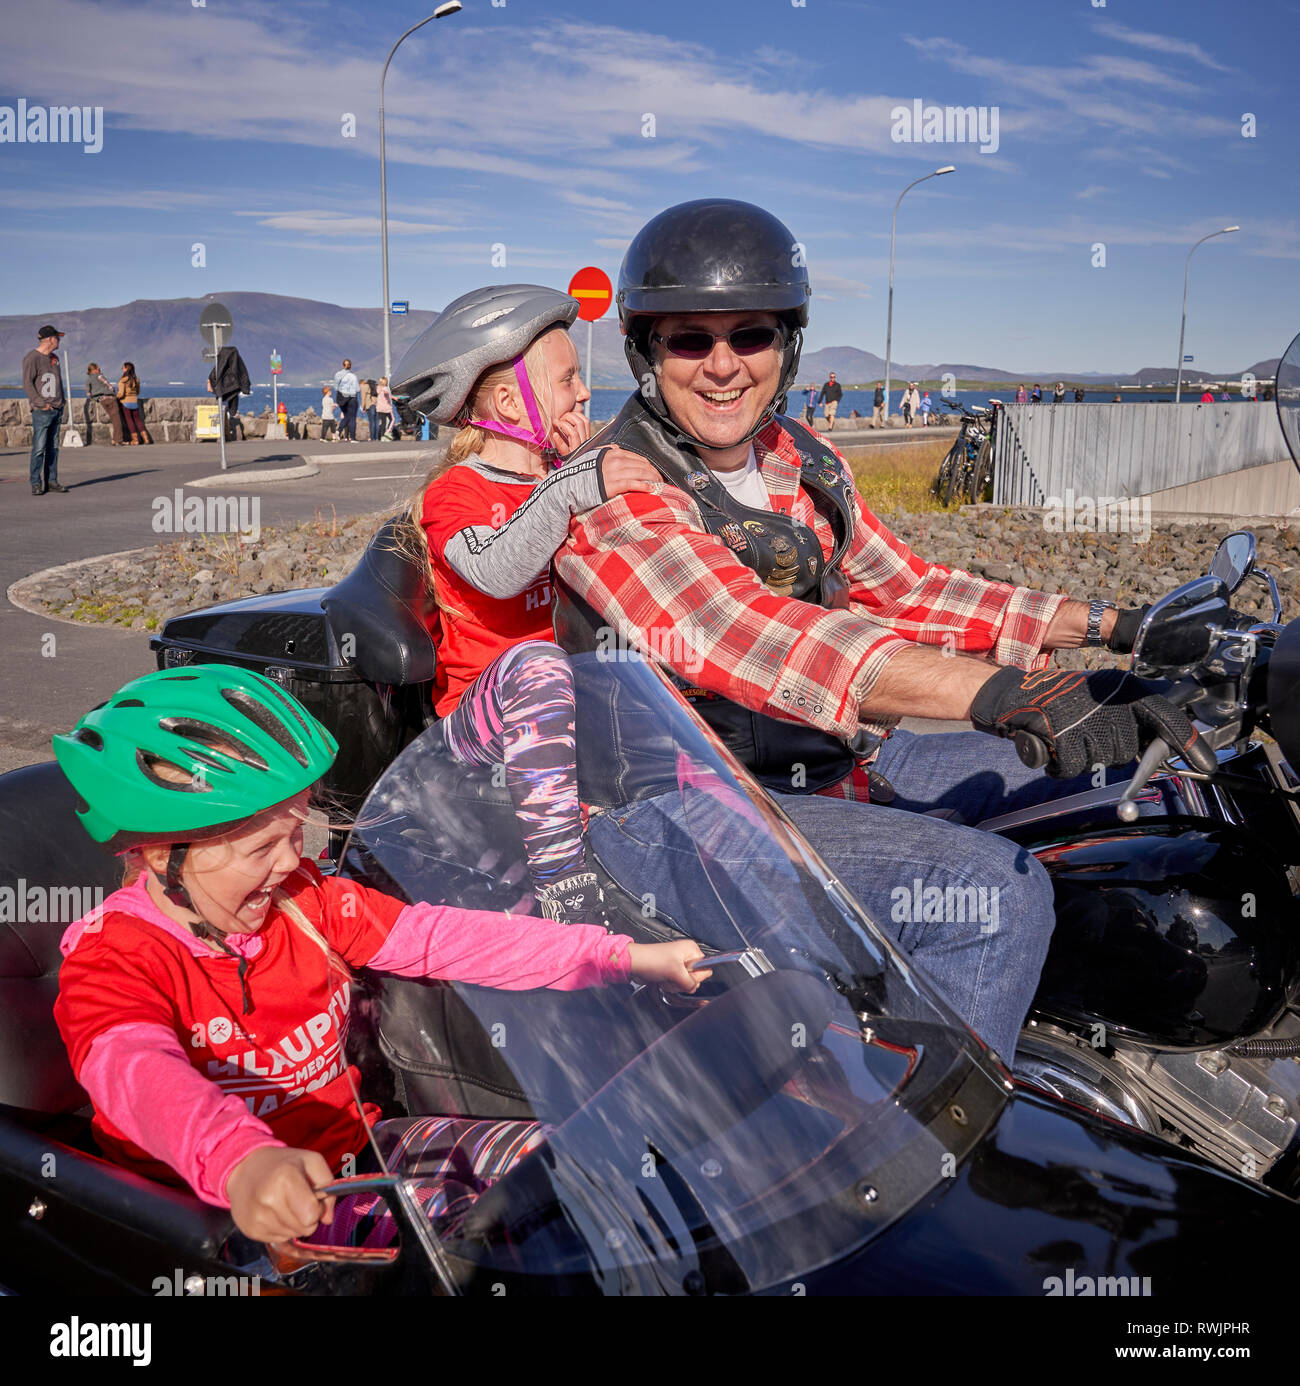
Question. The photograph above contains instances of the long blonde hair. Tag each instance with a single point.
(470, 441)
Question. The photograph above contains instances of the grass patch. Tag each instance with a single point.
(898, 476)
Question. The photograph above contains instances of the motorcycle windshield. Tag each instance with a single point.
(727, 1141)
(1288, 398)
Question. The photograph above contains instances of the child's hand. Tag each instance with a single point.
(622, 471)
(272, 1193)
(667, 963)
(570, 431)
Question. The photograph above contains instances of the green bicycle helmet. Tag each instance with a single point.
(236, 742)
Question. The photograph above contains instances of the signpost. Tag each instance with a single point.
(274, 429)
(591, 287)
(216, 326)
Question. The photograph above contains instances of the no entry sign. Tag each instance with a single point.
(594, 292)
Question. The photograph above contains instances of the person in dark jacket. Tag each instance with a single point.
(228, 379)
(832, 393)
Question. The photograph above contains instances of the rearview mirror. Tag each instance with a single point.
(1174, 636)
(1234, 559)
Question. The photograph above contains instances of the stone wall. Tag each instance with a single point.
(168, 421)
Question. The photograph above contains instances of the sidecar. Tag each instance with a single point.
(815, 1119)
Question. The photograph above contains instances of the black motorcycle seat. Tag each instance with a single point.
(380, 605)
(46, 851)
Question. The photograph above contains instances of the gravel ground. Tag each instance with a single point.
(143, 590)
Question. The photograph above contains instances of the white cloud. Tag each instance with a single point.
(1161, 43)
(1093, 190)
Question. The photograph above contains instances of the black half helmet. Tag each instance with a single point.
(714, 255)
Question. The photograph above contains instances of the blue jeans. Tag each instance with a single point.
(987, 968)
(372, 418)
(45, 446)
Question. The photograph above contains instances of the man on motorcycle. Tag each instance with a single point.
(802, 629)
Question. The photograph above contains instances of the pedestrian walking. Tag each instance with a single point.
(43, 386)
(228, 379)
(911, 401)
(346, 389)
(101, 402)
(329, 416)
(878, 406)
(387, 411)
(369, 396)
(926, 408)
(128, 396)
(1022, 396)
(809, 404)
(832, 393)
(1078, 394)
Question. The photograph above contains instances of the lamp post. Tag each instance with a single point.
(451, 7)
(1178, 388)
(889, 322)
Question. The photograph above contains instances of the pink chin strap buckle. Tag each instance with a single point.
(538, 436)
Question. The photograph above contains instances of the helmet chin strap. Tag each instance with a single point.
(537, 437)
(175, 891)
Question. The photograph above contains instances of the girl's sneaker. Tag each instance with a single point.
(577, 899)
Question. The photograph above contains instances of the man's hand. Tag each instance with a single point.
(1104, 718)
(272, 1193)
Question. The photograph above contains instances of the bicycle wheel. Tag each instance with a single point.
(981, 476)
(955, 483)
(941, 481)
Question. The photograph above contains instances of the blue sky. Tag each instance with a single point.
(524, 124)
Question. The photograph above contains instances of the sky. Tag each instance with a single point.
(530, 137)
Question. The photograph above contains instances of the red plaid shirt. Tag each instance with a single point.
(647, 564)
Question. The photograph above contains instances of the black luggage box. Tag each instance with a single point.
(288, 637)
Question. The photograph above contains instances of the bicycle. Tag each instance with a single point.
(967, 469)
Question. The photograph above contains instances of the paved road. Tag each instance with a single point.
(44, 686)
(109, 508)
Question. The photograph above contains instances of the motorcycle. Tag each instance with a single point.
(815, 1119)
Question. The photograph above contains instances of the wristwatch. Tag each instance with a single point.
(1095, 612)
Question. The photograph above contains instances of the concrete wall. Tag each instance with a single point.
(168, 421)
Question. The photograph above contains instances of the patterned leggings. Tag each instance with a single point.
(518, 714)
(456, 1159)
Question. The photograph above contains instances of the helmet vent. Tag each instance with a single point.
(129, 702)
(264, 718)
(167, 774)
(216, 743)
(88, 737)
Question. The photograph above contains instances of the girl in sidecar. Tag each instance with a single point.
(204, 1004)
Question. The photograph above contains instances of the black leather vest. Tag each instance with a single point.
(785, 756)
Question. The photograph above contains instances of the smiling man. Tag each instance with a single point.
(811, 629)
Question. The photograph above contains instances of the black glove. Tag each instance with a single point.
(1124, 632)
(1104, 718)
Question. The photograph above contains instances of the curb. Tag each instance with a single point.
(275, 474)
(14, 597)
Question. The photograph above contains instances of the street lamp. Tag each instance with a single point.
(451, 7)
(1178, 388)
(889, 324)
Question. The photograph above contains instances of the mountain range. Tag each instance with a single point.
(161, 337)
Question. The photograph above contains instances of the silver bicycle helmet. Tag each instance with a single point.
(483, 328)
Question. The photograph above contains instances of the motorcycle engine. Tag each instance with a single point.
(1239, 1110)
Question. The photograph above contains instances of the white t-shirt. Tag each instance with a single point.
(746, 483)
(328, 407)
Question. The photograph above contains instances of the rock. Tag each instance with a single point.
(997, 572)
(203, 575)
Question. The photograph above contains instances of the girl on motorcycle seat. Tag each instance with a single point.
(204, 1004)
(488, 519)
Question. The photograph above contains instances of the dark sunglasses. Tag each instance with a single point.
(694, 343)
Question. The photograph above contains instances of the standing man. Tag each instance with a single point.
(832, 393)
(878, 406)
(43, 386)
(1058, 395)
(809, 404)
(346, 387)
(101, 400)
